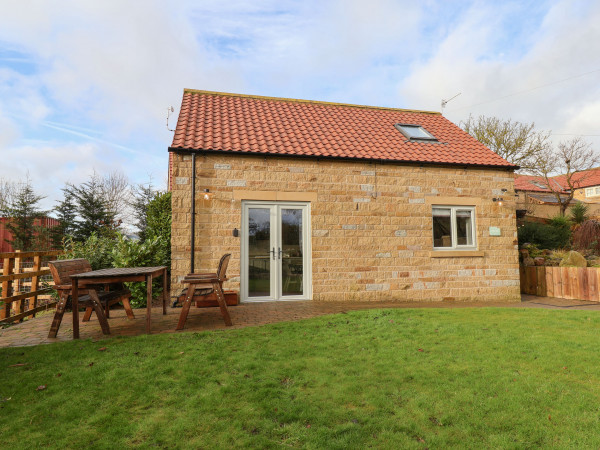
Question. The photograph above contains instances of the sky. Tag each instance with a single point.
(85, 85)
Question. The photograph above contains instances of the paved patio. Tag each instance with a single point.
(35, 331)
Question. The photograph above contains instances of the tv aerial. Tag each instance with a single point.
(445, 102)
(170, 109)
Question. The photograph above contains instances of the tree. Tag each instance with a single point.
(8, 190)
(92, 208)
(142, 196)
(21, 212)
(158, 221)
(518, 143)
(573, 159)
(116, 193)
(66, 213)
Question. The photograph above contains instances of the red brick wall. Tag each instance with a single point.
(46, 222)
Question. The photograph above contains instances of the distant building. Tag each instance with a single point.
(534, 199)
(5, 234)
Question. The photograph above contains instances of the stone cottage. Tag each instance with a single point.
(336, 202)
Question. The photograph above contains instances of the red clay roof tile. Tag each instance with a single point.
(214, 121)
(530, 183)
(537, 184)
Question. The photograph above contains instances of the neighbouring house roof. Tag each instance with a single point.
(532, 183)
(538, 184)
(582, 179)
(223, 122)
(548, 198)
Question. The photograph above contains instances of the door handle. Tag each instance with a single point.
(273, 253)
(279, 252)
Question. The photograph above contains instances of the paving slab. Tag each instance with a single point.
(35, 331)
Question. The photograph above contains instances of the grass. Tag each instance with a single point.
(495, 378)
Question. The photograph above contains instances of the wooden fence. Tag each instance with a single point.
(21, 280)
(581, 283)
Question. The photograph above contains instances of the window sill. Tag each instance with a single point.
(455, 253)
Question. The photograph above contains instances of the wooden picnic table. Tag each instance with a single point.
(119, 275)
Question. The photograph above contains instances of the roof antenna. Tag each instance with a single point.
(169, 111)
(445, 102)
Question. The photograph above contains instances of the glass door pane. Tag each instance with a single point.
(292, 257)
(259, 252)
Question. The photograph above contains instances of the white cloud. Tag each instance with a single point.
(89, 82)
(112, 67)
(564, 44)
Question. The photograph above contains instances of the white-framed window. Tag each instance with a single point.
(453, 227)
(592, 191)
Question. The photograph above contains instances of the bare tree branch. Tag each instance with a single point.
(517, 142)
(573, 159)
(117, 194)
(8, 191)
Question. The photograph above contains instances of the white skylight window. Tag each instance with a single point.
(538, 184)
(415, 132)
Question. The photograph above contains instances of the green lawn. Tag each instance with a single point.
(495, 378)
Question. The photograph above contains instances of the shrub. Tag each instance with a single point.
(560, 222)
(557, 234)
(533, 249)
(130, 253)
(97, 249)
(579, 213)
(587, 236)
(158, 220)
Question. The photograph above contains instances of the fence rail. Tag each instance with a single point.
(19, 297)
(582, 283)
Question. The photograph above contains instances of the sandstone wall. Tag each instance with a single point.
(371, 225)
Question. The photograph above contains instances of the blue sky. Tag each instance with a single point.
(85, 85)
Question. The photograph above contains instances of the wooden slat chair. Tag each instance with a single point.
(202, 284)
(93, 300)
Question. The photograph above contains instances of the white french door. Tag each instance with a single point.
(275, 251)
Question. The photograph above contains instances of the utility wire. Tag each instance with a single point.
(527, 90)
(573, 134)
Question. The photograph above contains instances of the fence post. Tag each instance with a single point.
(37, 266)
(6, 287)
(19, 305)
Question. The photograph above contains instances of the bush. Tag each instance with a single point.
(560, 222)
(587, 236)
(555, 235)
(158, 220)
(129, 253)
(97, 249)
(579, 213)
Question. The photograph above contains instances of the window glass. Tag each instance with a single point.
(589, 192)
(442, 229)
(415, 132)
(464, 227)
(453, 227)
(598, 190)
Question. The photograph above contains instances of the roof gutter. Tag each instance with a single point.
(340, 158)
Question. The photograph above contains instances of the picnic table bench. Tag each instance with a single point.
(92, 298)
